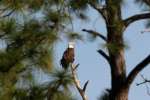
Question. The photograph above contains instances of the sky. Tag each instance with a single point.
(94, 67)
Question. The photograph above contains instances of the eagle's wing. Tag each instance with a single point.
(63, 60)
(67, 58)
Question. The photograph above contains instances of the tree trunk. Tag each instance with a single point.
(115, 45)
(118, 72)
(121, 94)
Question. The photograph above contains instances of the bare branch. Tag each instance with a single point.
(137, 69)
(95, 34)
(100, 8)
(77, 83)
(76, 67)
(145, 81)
(137, 17)
(104, 55)
(146, 85)
(85, 85)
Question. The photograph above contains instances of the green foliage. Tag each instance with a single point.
(74, 36)
(34, 93)
(59, 87)
(61, 78)
(78, 4)
(56, 88)
(29, 40)
(114, 48)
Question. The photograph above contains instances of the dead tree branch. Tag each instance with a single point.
(101, 52)
(77, 82)
(137, 17)
(146, 85)
(144, 81)
(137, 69)
(95, 34)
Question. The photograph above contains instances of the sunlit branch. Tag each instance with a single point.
(77, 82)
(85, 86)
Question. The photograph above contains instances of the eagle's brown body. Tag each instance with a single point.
(67, 58)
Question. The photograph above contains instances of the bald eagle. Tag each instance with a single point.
(68, 56)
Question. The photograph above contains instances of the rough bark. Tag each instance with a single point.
(116, 52)
(121, 95)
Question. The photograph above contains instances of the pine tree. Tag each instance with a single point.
(29, 31)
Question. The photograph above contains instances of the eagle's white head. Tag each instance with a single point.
(71, 45)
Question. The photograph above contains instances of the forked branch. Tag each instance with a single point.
(77, 82)
(144, 81)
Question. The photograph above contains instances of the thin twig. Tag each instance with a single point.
(145, 81)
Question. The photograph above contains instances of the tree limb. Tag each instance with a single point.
(145, 81)
(104, 55)
(100, 8)
(77, 82)
(85, 85)
(95, 34)
(137, 17)
(137, 69)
